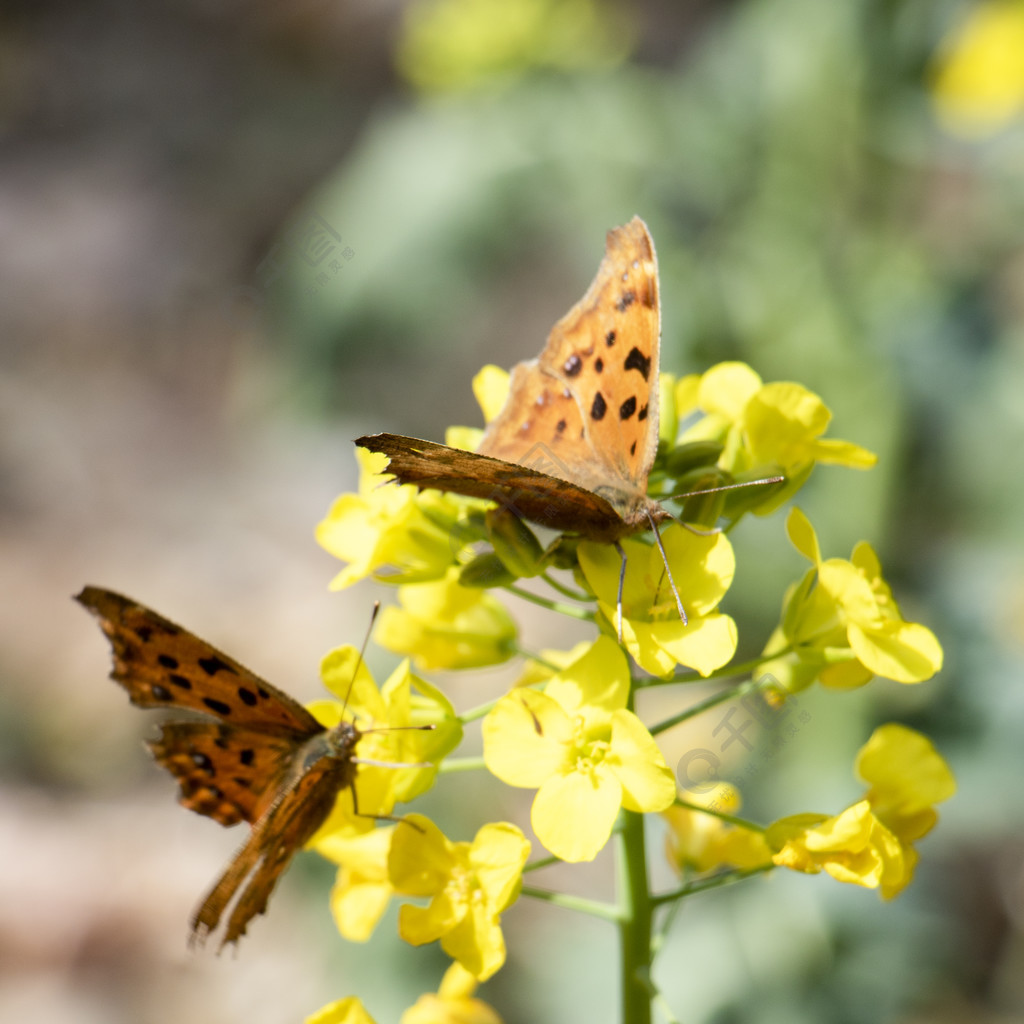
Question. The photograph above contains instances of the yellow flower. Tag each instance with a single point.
(844, 624)
(586, 755)
(444, 625)
(907, 776)
(870, 843)
(388, 531)
(764, 428)
(469, 885)
(361, 891)
(453, 1004)
(702, 567)
(979, 87)
(457, 44)
(342, 1011)
(404, 700)
(490, 389)
(701, 842)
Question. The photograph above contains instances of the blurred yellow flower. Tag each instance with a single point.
(469, 886)
(652, 631)
(388, 531)
(584, 753)
(870, 843)
(979, 82)
(700, 842)
(361, 892)
(457, 44)
(453, 1004)
(844, 625)
(444, 625)
(342, 1011)
(765, 428)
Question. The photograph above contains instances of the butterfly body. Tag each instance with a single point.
(573, 446)
(263, 758)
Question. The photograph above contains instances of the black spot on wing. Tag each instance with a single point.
(609, 339)
(643, 413)
(560, 426)
(203, 763)
(246, 756)
(599, 364)
(627, 408)
(217, 706)
(627, 300)
(180, 681)
(632, 448)
(599, 408)
(144, 633)
(572, 365)
(247, 696)
(212, 665)
(160, 692)
(636, 360)
(167, 661)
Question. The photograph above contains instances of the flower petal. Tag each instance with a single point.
(497, 856)
(573, 813)
(638, 763)
(525, 736)
(420, 858)
(904, 651)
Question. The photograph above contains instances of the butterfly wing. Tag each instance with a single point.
(530, 493)
(285, 828)
(162, 665)
(224, 773)
(591, 396)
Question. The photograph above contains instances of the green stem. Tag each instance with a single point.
(725, 878)
(452, 765)
(585, 906)
(544, 862)
(574, 595)
(701, 706)
(554, 606)
(727, 672)
(634, 920)
(750, 826)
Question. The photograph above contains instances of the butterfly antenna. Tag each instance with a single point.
(725, 487)
(362, 652)
(668, 570)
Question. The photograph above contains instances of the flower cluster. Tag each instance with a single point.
(570, 729)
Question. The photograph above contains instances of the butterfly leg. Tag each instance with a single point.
(622, 583)
(668, 572)
(379, 817)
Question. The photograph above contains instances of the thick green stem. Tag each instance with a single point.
(634, 920)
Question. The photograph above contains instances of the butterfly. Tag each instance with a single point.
(574, 444)
(263, 758)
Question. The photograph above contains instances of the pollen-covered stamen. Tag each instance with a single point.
(586, 753)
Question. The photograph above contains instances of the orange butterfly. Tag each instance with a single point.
(574, 444)
(265, 760)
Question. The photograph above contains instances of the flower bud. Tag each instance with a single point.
(514, 543)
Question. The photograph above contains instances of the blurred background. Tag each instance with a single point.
(235, 235)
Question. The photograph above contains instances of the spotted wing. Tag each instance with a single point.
(275, 838)
(592, 394)
(162, 665)
(530, 493)
(224, 773)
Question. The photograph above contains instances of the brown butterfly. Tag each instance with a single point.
(265, 760)
(573, 446)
